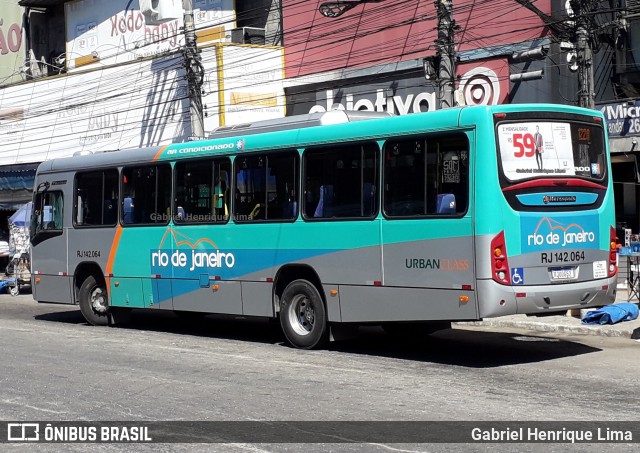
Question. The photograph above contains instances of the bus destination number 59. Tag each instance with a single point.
(525, 144)
(561, 257)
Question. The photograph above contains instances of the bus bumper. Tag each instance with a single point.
(499, 300)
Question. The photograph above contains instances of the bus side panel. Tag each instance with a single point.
(379, 304)
(126, 292)
(257, 299)
(432, 253)
(53, 288)
(189, 295)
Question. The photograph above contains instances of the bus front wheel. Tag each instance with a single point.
(93, 302)
(303, 316)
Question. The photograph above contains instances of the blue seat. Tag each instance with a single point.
(128, 210)
(325, 205)
(446, 203)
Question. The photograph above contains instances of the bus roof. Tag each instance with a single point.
(301, 131)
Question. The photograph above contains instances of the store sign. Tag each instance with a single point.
(622, 118)
(402, 95)
(377, 101)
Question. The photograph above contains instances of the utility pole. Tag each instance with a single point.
(195, 72)
(584, 31)
(445, 54)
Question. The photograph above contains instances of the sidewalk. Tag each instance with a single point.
(565, 324)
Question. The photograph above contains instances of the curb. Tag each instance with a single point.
(560, 324)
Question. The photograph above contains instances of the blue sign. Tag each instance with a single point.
(562, 231)
(622, 118)
(517, 275)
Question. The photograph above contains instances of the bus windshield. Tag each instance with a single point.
(551, 149)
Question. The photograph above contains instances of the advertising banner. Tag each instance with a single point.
(103, 33)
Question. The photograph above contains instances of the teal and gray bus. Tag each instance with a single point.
(338, 219)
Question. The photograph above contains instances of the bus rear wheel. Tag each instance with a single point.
(303, 316)
(93, 302)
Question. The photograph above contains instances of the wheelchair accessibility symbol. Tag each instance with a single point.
(517, 276)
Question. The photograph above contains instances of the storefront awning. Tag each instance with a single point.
(16, 184)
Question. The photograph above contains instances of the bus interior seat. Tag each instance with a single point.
(368, 193)
(180, 213)
(291, 210)
(446, 203)
(110, 211)
(325, 204)
(128, 210)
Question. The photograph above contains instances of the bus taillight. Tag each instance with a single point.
(499, 261)
(613, 252)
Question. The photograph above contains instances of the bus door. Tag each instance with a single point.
(427, 234)
(48, 231)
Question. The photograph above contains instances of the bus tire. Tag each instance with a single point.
(303, 316)
(93, 302)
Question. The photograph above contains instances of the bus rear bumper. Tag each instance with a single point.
(499, 300)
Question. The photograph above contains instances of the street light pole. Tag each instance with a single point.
(195, 72)
(586, 95)
(445, 54)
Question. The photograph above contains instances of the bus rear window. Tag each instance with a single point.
(551, 149)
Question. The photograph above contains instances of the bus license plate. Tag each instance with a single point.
(564, 273)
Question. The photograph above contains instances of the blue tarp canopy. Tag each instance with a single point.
(22, 217)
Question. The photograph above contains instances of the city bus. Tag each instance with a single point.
(334, 220)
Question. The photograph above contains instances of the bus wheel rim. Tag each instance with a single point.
(98, 301)
(301, 315)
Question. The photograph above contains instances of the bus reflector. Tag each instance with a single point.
(605, 287)
(377, 283)
(467, 287)
(269, 279)
(521, 294)
(502, 302)
(500, 115)
(63, 274)
(499, 262)
(37, 279)
(333, 292)
(217, 277)
(215, 287)
(613, 249)
(597, 119)
(463, 299)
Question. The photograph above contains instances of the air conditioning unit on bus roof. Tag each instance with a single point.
(160, 11)
(296, 122)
